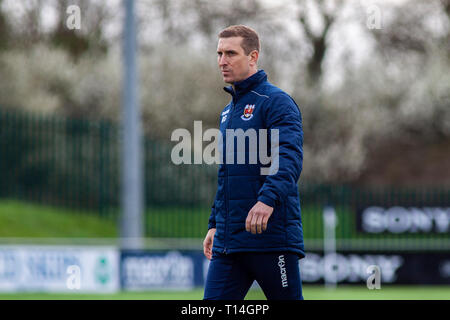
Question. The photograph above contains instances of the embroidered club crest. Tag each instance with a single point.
(248, 112)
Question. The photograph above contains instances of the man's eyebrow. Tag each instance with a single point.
(227, 51)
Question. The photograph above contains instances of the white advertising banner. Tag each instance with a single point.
(59, 268)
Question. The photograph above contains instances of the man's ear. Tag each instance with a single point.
(253, 56)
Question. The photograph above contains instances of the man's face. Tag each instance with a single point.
(234, 64)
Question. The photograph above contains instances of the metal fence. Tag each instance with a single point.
(75, 164)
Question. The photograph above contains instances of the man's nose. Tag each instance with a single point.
(222, 61)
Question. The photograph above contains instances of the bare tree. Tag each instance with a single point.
(5, 29)
(327, 11)
(91, 35)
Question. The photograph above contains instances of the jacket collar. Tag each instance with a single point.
(246, 85)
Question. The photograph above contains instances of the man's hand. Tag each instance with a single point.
(208, 243)
(257, 218)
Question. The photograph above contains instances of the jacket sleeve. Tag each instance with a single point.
(212, 217)
(282, 113)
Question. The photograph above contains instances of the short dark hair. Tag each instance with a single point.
(250, 39)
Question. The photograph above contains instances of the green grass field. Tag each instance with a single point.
(343, 292)
(20, 219)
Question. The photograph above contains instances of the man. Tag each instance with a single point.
(255, 229)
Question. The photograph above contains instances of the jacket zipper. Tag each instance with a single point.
(226, 173)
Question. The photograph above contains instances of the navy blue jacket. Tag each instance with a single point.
(258, 104)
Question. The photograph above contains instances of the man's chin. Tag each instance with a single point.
(228, 80)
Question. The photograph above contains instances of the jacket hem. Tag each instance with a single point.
(299, 252)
